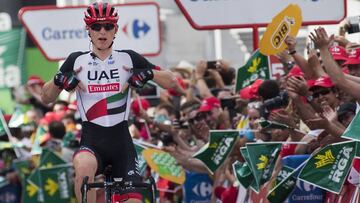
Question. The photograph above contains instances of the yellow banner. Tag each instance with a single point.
(286, 23)
(164, 164)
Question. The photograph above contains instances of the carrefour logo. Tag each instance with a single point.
(202, 189)
(136, 29)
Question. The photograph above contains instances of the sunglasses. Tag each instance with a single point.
(106, 26)
(199, 117)
(322, 92)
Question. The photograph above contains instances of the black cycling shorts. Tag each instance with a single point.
(111, 146)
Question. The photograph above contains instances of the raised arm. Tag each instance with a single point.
(322, 42)
(166, 79)
(309, 72)
(50, 92)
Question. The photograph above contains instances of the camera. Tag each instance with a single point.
(212, 64)
(228, 103)
(274, 103)
(180, 124)
(353, 24)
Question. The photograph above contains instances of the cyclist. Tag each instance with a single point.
(102, 79)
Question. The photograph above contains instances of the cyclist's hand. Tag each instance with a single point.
(140, 77)
(67, 81)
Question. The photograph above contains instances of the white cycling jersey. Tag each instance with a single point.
(103, 103)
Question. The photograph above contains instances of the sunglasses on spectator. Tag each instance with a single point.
(322, 92)
(106, 26)
(199, 117)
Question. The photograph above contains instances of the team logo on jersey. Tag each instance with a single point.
(94, 75)
(113, 87)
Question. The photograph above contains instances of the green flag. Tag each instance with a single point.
(23, 168)
(284, 185)
(243, 173)
(245, 154)
(353, 130)
(3, 181)
(141, 161)
(220, 144)
(9, 145)
(49, 158)
(34, 185)
(2, 125)
(265, 124)
(262, 159)
(18, 118)
(40, 133)
(257, 67)
(29, 193)
(55, 183)
(329, 167)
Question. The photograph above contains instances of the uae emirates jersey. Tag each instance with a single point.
(103, 103)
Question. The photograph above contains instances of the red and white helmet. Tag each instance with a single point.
(99, 11)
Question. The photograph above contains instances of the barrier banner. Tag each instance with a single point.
(329, 167)
(165, 165)
(220, 144)
(197, 188)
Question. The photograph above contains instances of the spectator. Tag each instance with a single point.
(57, 132)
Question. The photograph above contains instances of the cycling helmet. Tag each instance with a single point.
(99, 11)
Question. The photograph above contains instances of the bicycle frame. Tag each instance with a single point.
(115, 187)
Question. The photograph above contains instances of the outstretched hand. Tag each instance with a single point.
(140, 76)
(290, 43)
(297, 84)
(321, 38)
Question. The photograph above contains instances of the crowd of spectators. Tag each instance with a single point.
(317, 98)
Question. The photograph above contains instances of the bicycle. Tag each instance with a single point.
(113, 187)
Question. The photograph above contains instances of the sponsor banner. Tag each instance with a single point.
(285, 23)
(197, 188)
(206, 14)
(329, 167)
(165, 165)
(12, 45)
(220, 144)
(138, 28)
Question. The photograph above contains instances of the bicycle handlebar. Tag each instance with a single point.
(122, 185)
(117, 184)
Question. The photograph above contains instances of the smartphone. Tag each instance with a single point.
(311, 45)
(354, 22)
(230, 103)
(212, 64)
